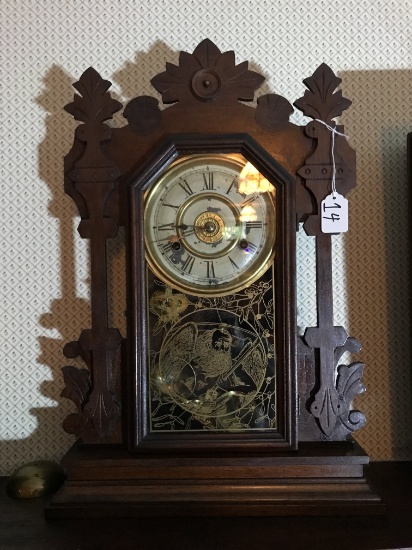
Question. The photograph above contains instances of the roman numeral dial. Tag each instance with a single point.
(206, 232)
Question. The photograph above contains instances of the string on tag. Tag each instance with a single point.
(334, 132)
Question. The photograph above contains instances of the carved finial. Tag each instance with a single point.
(207, 75)
(94, 102)
(320, 100)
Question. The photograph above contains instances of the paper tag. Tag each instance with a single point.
(334, 214)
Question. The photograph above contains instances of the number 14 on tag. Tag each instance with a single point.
(334, 214)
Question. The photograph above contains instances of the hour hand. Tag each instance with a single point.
(176, 238)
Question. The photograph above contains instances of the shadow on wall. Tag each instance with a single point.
(48, 439)
(70, 313)
(377, 256)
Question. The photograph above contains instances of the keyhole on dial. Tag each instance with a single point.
(176, 246)
(243, 244)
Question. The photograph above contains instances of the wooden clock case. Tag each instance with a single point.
(117, 468)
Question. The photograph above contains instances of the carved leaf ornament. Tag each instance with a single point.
(77, 390)
(321, 101)
(206, 75)
(94, 104)
(272, 110)
(143, 114)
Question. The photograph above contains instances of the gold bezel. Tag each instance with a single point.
(257, 267)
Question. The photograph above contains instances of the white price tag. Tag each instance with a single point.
(334, 214)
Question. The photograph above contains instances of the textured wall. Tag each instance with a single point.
(46, 45)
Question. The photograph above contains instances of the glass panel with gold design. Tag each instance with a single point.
(210, 239)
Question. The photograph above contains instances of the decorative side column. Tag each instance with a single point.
(334, 388)
(90, 180)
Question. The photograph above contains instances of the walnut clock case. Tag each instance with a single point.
(212, 404)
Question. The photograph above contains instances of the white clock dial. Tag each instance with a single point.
(204, 235)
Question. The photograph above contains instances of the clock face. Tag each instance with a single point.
(210, 225)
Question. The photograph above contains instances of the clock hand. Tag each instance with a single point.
(183, 226)
(174, 238)
(185, 233)
(169, 226)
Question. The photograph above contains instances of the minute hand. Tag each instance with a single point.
(175, 238)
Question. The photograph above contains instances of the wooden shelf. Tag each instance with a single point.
(23, 526)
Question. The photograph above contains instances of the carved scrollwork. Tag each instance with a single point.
(93, 396)
(326, 406)
(94, 104)
(77, 389)
(349, 385)
(272, 111)
(352, 345)
(93, 173)
(322, 100)
(207, 75)
(143, 114)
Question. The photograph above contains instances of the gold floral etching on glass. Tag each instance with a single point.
(212, 360)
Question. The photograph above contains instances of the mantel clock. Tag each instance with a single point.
(222, 407)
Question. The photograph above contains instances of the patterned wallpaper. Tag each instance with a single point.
(46, 45)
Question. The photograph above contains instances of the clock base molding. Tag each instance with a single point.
(109, 482)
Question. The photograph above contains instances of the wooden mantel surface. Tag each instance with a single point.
(23, 526)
